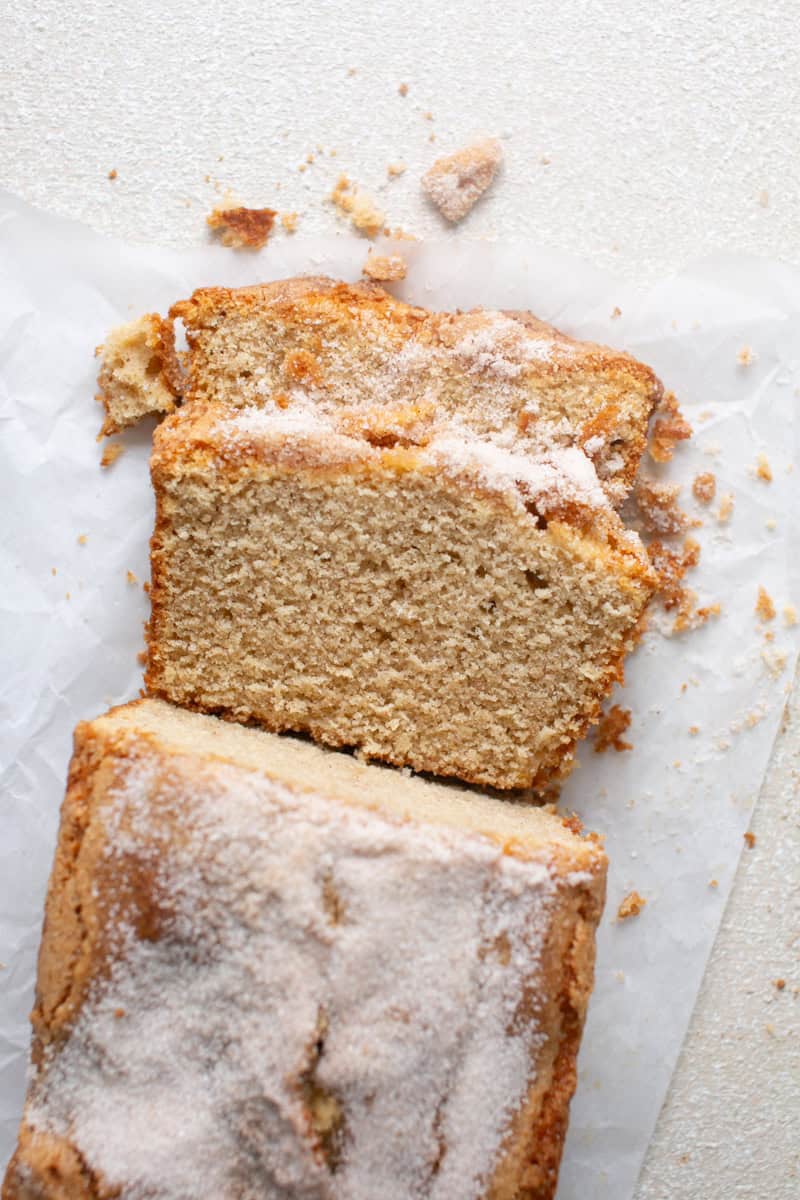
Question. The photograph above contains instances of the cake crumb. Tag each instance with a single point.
(704, 487)
(351, 201)
(763, 469)
(617, 312)
(713, 883)
(763, 198)
(746, 356)
(750, 839)
(694, 730)
(131, 578)
(780, 984)
(573, 823)
(403, 89)
(610, 729)
(789, 615)
(394, 170)
(141, 658)
(670, 427)
(631, 906)
(671, 566)
(242, 228)
(725, 509)
(765, 609)
(457, 181)
(112, 174)
(659, 508)
(111, 453)
(82, 539)
(289, 221)
(119, 1013)
(384, 268)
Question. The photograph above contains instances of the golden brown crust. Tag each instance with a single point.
(529, 1170)
(504, 371)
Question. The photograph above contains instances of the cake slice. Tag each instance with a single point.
(505, 376)
(140, 374)
(453, 607)
(268, 970)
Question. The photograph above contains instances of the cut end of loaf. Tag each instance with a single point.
(428, 613)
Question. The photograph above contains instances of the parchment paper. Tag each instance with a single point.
(673, 809)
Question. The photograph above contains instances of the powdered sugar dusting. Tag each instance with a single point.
(560, 476)
(317, 959)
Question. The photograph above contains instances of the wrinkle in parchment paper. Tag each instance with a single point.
(706, 705)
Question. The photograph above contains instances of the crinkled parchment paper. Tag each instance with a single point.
(706, 705)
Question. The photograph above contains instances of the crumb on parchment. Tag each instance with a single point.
(384, 268)
(130, 577)
(704, 487)
(395, 170)
(750, 839)
(659, 508)
(82, 539)
(746, 356)
(573, 823)
(725, 510)
(456, 182)
(669, 428)
(763, 469)
(111, 452)
(352, 202)
(242, 228)
(289, 221)
(789, 615)
(765, 609)
(630, 906)
(610, 728)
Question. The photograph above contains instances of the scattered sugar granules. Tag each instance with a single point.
(111, 453)
(765, 609)
(457, 181)
(631, 906)
(610, 729)
(763, 469)
(384, 268)
(704, 487)
(242, 228)
(364, 214)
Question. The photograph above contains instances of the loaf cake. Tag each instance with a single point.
(452, 607)
(503, 375)
(140, 373)
(268, 970)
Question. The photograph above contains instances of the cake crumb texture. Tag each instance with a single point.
(457, 181)
(247, 984)
(447, 608)
(630, 906)
(139, 372)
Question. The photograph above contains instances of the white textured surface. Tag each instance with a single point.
(671, 131)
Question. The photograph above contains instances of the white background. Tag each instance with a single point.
(670, 131)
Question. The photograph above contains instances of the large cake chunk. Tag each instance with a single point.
(271, 971)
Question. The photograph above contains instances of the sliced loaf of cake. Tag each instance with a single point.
(455, 608)
(268, 970)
